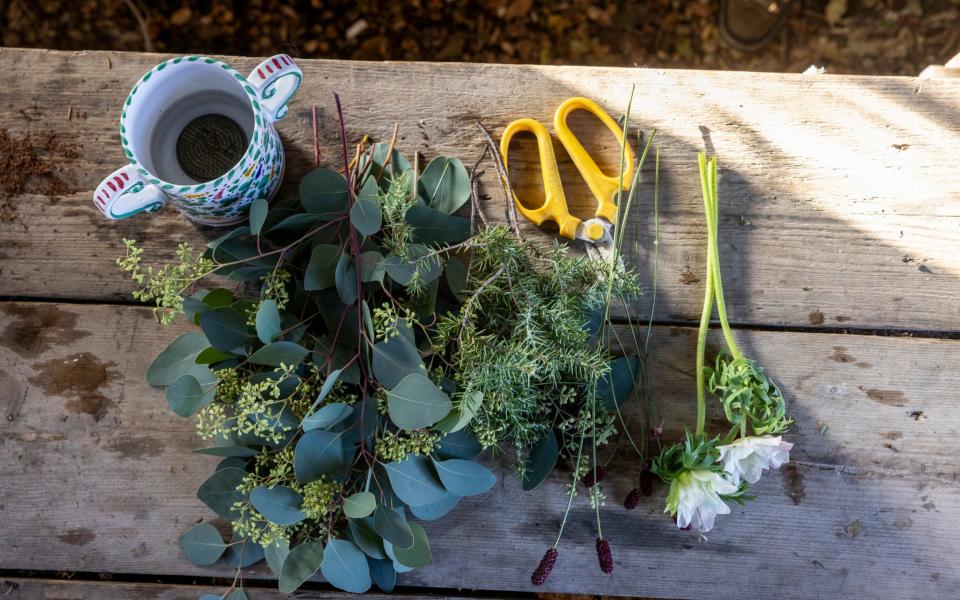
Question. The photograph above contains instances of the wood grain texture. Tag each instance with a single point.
(56, 589)
(839, 193)
(99, 476)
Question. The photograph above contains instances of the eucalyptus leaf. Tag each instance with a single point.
(461, 416)
(317, 453)
(394, 359)
(431, 226)
(237, 594)
(457, 273)
(218, 297)
(399, 269)
(232, 234)
(345, 567)
(300, 565)
(541, 460)
(186, 396)
(464, 477)
(390, 550)
(428, 262)
(268, 321)
(459, 444)
(359, 505)
(366, 538)
(418, 555)
(392, 527)
(416, 402)
(296, 221)
(328, 383)
(321, 270)
(278, 353)
(435, 510)
(383, 574)
(225, 328)
(365, 216)
(177, 359)
(278, 504)
(243, 552)
(219, 492)
(327, 416)
(372, 267)
(275, 554)
(445, 184)
(232, 462)
(324, 192)
(202, 545)
(345, 278)
(615, 386)
(413, 480)
(212, 356)
(258, 214)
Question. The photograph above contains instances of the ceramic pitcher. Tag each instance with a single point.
(199, 134)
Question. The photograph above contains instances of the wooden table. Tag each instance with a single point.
(840, 229)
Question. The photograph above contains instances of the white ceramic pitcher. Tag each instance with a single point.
(182, 126)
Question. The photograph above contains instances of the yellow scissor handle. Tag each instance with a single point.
(554, 207)
(603, 186)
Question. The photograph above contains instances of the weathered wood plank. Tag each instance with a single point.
(66, 589)
(99, 476)
(839, 192)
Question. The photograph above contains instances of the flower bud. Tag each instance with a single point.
(543, 569)
(604, 556)
(632, 500)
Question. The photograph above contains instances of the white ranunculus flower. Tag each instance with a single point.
(695, 496)
(747, 457)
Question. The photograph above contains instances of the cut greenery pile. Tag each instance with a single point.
(373, 344)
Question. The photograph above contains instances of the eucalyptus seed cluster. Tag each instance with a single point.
(164, 286)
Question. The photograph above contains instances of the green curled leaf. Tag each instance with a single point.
(202, 545)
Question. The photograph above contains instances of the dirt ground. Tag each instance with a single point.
(847, 36)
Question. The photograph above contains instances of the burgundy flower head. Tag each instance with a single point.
(604, 556)
(632, 500)
(589, 480)
(543, 569)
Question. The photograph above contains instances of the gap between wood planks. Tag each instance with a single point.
(259, 586)
(636, 320)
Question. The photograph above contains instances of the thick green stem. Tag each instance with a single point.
(712, 205)
(702, 348)
(707, 304)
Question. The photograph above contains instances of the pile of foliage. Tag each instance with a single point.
(372, 346)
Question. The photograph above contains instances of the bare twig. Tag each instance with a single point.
(509, 206)
(475, 174)
(393, 141)
(142, 23)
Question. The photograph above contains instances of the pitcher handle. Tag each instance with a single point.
(125, 193)
(276, 81)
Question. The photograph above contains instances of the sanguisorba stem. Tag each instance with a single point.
(707, 304)
(711, 200)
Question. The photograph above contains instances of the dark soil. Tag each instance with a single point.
(28, 164)
(847, 36)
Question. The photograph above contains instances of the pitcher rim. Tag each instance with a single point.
(258, 129)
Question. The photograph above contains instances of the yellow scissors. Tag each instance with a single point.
(604, 187)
